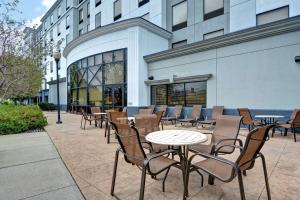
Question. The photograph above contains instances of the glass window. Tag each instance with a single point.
(80, 32)
(159, 94)
(95, 75)
(95, 95)
(213, 34)
(143, 2)
(84, 63)
(88, 28)
(67, 22)
(98, 59)
(195, 93)
(114, 73)
(51, 35)
(118, 55)
(98, 19)
(51, 66)
(88, 10)
(179, 44)
(59, 11)
(80, 16)
(58, 28)
(97, 3)
(82, 96)
(176, 94)
(91, 61)
(117, 10)
(272, 16)
(67, 38)
(107, 57)
(179, 16)
(213, 8)
(67, 4)
(51, 19)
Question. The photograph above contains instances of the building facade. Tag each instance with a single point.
(236, 53)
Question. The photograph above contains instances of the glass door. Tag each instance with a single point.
(114, 97)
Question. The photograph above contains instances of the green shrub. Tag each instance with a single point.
(47, 106)
(17, 119)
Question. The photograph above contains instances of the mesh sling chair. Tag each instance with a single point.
(152, 107)
(174, 116)
(247, 118)
(217, 111)
(293, 124)
(97, 118)
(145, 125)
(226, 170)
(131, 147)
(145, 111)
(159, 115)
(85, 118)
(196, 112)
(112, 116)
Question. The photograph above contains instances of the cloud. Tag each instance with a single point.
(35, 22)
(48, 3)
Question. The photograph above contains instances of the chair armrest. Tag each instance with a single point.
(220, 159)
(227, 145)
(229, 139)
(156, 155)
(148, 144)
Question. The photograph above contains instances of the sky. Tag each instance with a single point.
(33, 10)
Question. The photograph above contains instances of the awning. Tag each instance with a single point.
(184, 79)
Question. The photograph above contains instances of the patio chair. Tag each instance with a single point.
(85, 118)
(131, 146)
(225, 133)
(164, 109)
(226, 170)
(152, 107)
(196, 112)
(248, 120)
(174, 116)
(159, 115)
(217, 111)
(295, 123)
(112, 116)
(97, 118)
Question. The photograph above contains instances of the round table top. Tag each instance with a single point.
(176, 137)
(269, 116)
(101, 113)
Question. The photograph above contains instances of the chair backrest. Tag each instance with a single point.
(115, 115)
(95, 110)
(163, 108)
(227, 126)
(124, 109)
(245, 113)
(159, 115)
(83, 113)
(146, 122)
(129, 140)
(294, 113)
(296, 120)
(196, 112)
(108, 113)
(152, 107)
(145, 111)
(177, 111)
(253, 144)
(217, 112)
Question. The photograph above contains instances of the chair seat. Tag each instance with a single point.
(208, 121)
(284, 125)
(159, 164)
(217, 168)
(190, 120)
(200, 148)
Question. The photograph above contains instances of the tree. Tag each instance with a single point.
(20, 74)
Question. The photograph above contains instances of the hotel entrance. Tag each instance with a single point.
(115, 96)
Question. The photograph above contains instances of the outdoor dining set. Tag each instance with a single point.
(155, 150)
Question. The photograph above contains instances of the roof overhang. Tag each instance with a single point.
(117, 26)
(184, 79)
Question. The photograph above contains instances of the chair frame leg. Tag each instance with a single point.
(143, 180)
(266, 176)
(200, 175)
(294, 132)
(114, 173)
(164, 180)
(241, 185)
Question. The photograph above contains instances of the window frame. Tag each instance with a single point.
(67, 5)
(269, 11)
(97, 3)
(59, 11)
(182, 24)
(119, 15)
(178, 43)
(212, 14)
(99, 13)
(88, 11)
(142, 2)
(67, 21)
(58, 29)
(51, 19)
(213, 32)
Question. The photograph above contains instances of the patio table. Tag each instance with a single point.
(182, 138)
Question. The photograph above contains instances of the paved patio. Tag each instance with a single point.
(31, 168)
(90, 161)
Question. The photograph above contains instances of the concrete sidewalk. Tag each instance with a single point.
(30, 168)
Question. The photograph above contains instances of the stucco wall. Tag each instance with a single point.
(260, 74)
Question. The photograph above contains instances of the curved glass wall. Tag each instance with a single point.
(98, 80)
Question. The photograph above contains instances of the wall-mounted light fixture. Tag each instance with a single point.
(297, 59)
(150, 78)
